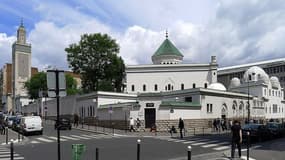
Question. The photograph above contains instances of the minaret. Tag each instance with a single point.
(21, 68)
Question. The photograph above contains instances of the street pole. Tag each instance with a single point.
(57, 114)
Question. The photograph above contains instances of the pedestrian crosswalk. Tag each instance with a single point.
(50, 139)
(214, 144)
(6, 155)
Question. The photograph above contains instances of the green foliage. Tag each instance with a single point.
(39, 83)
(95, 58)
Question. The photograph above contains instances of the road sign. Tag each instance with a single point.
(51, 83)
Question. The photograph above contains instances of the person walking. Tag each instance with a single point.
(181, 127)
(132, 123)
(75, 120)
(236, 138)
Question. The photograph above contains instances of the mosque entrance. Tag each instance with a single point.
(149, 116)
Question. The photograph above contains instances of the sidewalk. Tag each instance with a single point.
(12, 136)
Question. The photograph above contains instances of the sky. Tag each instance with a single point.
(236, 31)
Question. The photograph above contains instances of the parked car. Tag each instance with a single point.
(9, 121)
(276, 129)
(31, 124)
(63, 124)
(258, 132)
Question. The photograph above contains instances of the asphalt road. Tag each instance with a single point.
(44, 147)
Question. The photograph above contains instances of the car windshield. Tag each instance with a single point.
(273, 125)
(250, 126)
(11, 118)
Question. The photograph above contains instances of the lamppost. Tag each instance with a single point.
(248, 105)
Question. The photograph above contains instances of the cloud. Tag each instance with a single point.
(6, 48)
(236, 31)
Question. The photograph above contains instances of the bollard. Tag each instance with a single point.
(113, 131)
(12, 150)
(6, 135)
(19, 138)
(97, 153)
(189, 152)
(247, 146)
(138, 149)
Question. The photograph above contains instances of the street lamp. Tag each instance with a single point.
(248, 104)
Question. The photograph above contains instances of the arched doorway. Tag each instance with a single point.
(224, 111)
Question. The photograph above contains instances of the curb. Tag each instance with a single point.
(15, 141)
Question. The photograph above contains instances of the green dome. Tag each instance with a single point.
(167, 48)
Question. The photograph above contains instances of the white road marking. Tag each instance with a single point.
(221, 148)
(16, 158)
(179, 140)
(80, 137)
(244, 157)
(44, 140)
(8, 155)
(34, 142)
(70, 138)
(197, 144)
(187, 142)
(55, 138)
(214, 144)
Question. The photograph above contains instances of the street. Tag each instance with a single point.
(124, 147)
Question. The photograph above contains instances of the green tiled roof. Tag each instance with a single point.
(167, 48)
(179, 104)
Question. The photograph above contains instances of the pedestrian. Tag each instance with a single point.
(132, 123)
(181, 127)
(75, 120)
(215, 125)
(236, 138)
(138, 123)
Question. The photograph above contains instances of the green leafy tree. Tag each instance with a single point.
(38, 82)
(95, 59)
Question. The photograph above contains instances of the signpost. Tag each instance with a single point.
(56, 88)
(110, 110)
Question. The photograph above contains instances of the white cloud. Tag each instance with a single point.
(6, 48)
(239, 31)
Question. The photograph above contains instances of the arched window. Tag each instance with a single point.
(133, 87)
(166, 88)
(169, 87)
(182, 86)
(194, 85)
(155, 87)
(144, 87)
(205, 85)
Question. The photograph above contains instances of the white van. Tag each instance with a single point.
(31, 124)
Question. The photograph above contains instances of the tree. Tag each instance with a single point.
(39, 83)
(95, 58)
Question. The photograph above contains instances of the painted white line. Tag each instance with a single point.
(55, 138)
(79, 137)
(8, 155)
(88, 136)
(244, 157)
(16, 158)
(187, 142)
(35, 142)
(5, 152)
(197, 144)
(214, 144)
(221, 148)
(44, 140)
(179, 141)
(70, 138)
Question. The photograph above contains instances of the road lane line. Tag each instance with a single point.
(179, 140)
(80, 137)
(44, 139)
(244, 157)
(187, 142)
(16, 158)
(197, 144)
(55, 138)
(214, 144)
(8, 155)
(35, 142)
(221, 148)
(70, 138)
